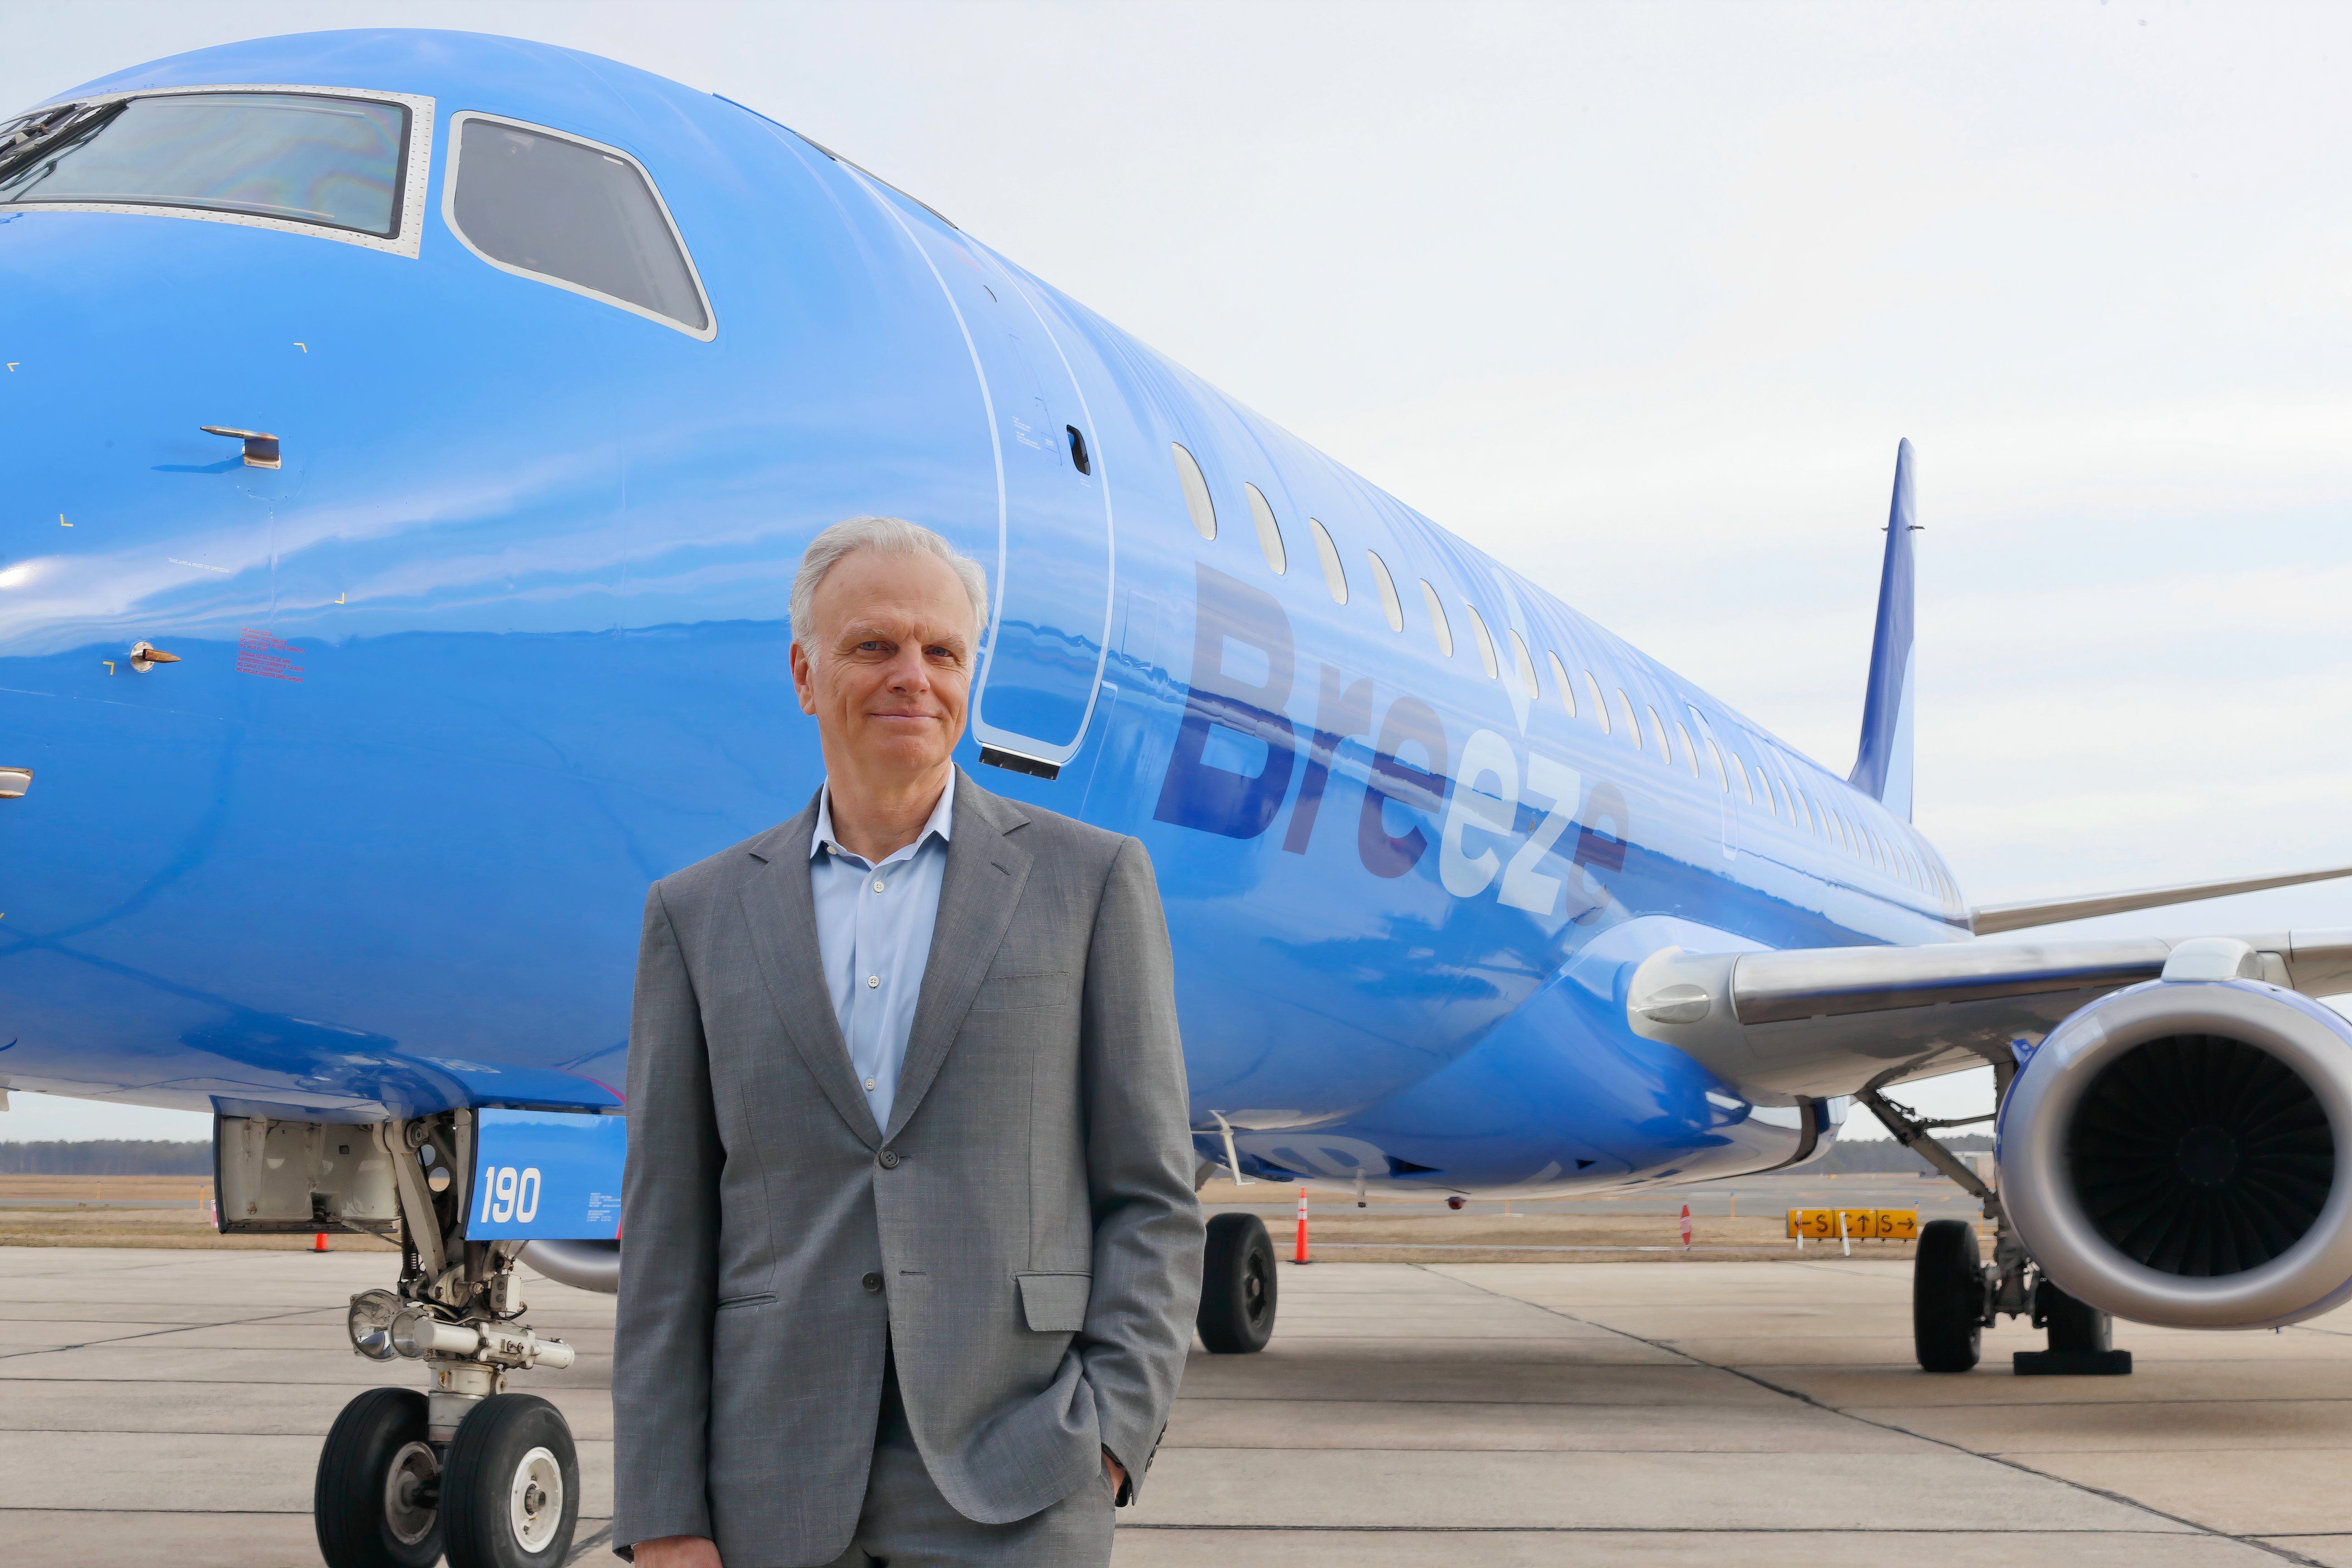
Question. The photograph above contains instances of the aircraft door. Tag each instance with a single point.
(1051, 581)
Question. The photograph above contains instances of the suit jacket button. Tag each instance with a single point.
(888, 1159)
(872, 1281)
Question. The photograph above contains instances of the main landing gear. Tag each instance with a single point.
(488, 1479)
(1237, 1285)
(1956, 1295)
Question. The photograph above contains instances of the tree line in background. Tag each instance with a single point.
(108, 1156)
(1885, 1156)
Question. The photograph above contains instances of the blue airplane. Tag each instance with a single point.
(414, 435)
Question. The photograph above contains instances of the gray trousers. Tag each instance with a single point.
(905, 1523)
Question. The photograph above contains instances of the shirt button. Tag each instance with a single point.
(888, 1159)
(869, 1086)
(872, 1282)
(877, 885)
(872, 982)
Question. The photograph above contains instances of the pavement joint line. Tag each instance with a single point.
(236, 1512)
(1670, 1530)
(1318, 1399)
(175, 1328)
(1481, 1448)
(180, 1432)
(2114, 1497)
(1474, 1247)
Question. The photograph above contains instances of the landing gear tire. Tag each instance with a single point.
(510, 1495)
(1237, 1286)
(1947, 1297)
(376, 1501)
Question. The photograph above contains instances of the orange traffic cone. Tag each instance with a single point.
(1301, 1256)
(318, 1243)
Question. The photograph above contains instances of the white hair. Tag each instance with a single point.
(884, 535)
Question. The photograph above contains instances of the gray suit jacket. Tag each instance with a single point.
(1024, 1233)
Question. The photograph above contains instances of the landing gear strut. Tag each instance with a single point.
(1956, 1296)
(489, 1479)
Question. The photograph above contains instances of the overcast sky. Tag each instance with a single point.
(1639, 299)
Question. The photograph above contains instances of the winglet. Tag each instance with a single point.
(1883, 766)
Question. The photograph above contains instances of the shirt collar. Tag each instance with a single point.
(941, 820)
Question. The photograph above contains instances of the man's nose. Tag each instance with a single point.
(908, 672)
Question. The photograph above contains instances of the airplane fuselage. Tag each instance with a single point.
(503, 638)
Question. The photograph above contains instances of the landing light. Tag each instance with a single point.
(370, 1323)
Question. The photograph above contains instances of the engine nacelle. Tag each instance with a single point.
(2170, 1152)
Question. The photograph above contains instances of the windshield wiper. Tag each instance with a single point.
(42, 135)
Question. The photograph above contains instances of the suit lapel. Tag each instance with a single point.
(780, 912)
(987, 868)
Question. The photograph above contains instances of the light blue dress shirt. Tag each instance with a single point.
(873, 937)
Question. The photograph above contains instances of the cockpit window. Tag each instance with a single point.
(334, 162)
(574, 214)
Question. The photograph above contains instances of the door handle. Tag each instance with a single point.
(260, 446)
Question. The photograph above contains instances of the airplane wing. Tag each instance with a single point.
(1834, 1020)
(1987, 919)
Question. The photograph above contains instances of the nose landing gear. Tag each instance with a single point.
(488, 1479)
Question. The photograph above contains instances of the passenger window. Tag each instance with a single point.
(1560, 679)
(1600, 703)
(1333, 578)
(1658, 727)
(1269, 533)
(1526, 665)
(1486, 642)
(575, 213)
(1722, 774)
(1196, 492)
(1690, 752)
(1439, 627)
(1632, 724)
(1391, 606)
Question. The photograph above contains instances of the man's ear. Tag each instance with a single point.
(803, 678)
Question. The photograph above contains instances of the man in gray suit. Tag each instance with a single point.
(911, 1249)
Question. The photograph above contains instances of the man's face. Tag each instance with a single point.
(887, 668)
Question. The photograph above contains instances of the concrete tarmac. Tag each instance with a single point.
(165, 1408)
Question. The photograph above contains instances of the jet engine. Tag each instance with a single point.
(2171, 1153)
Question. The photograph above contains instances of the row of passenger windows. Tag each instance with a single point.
(1771, 785)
